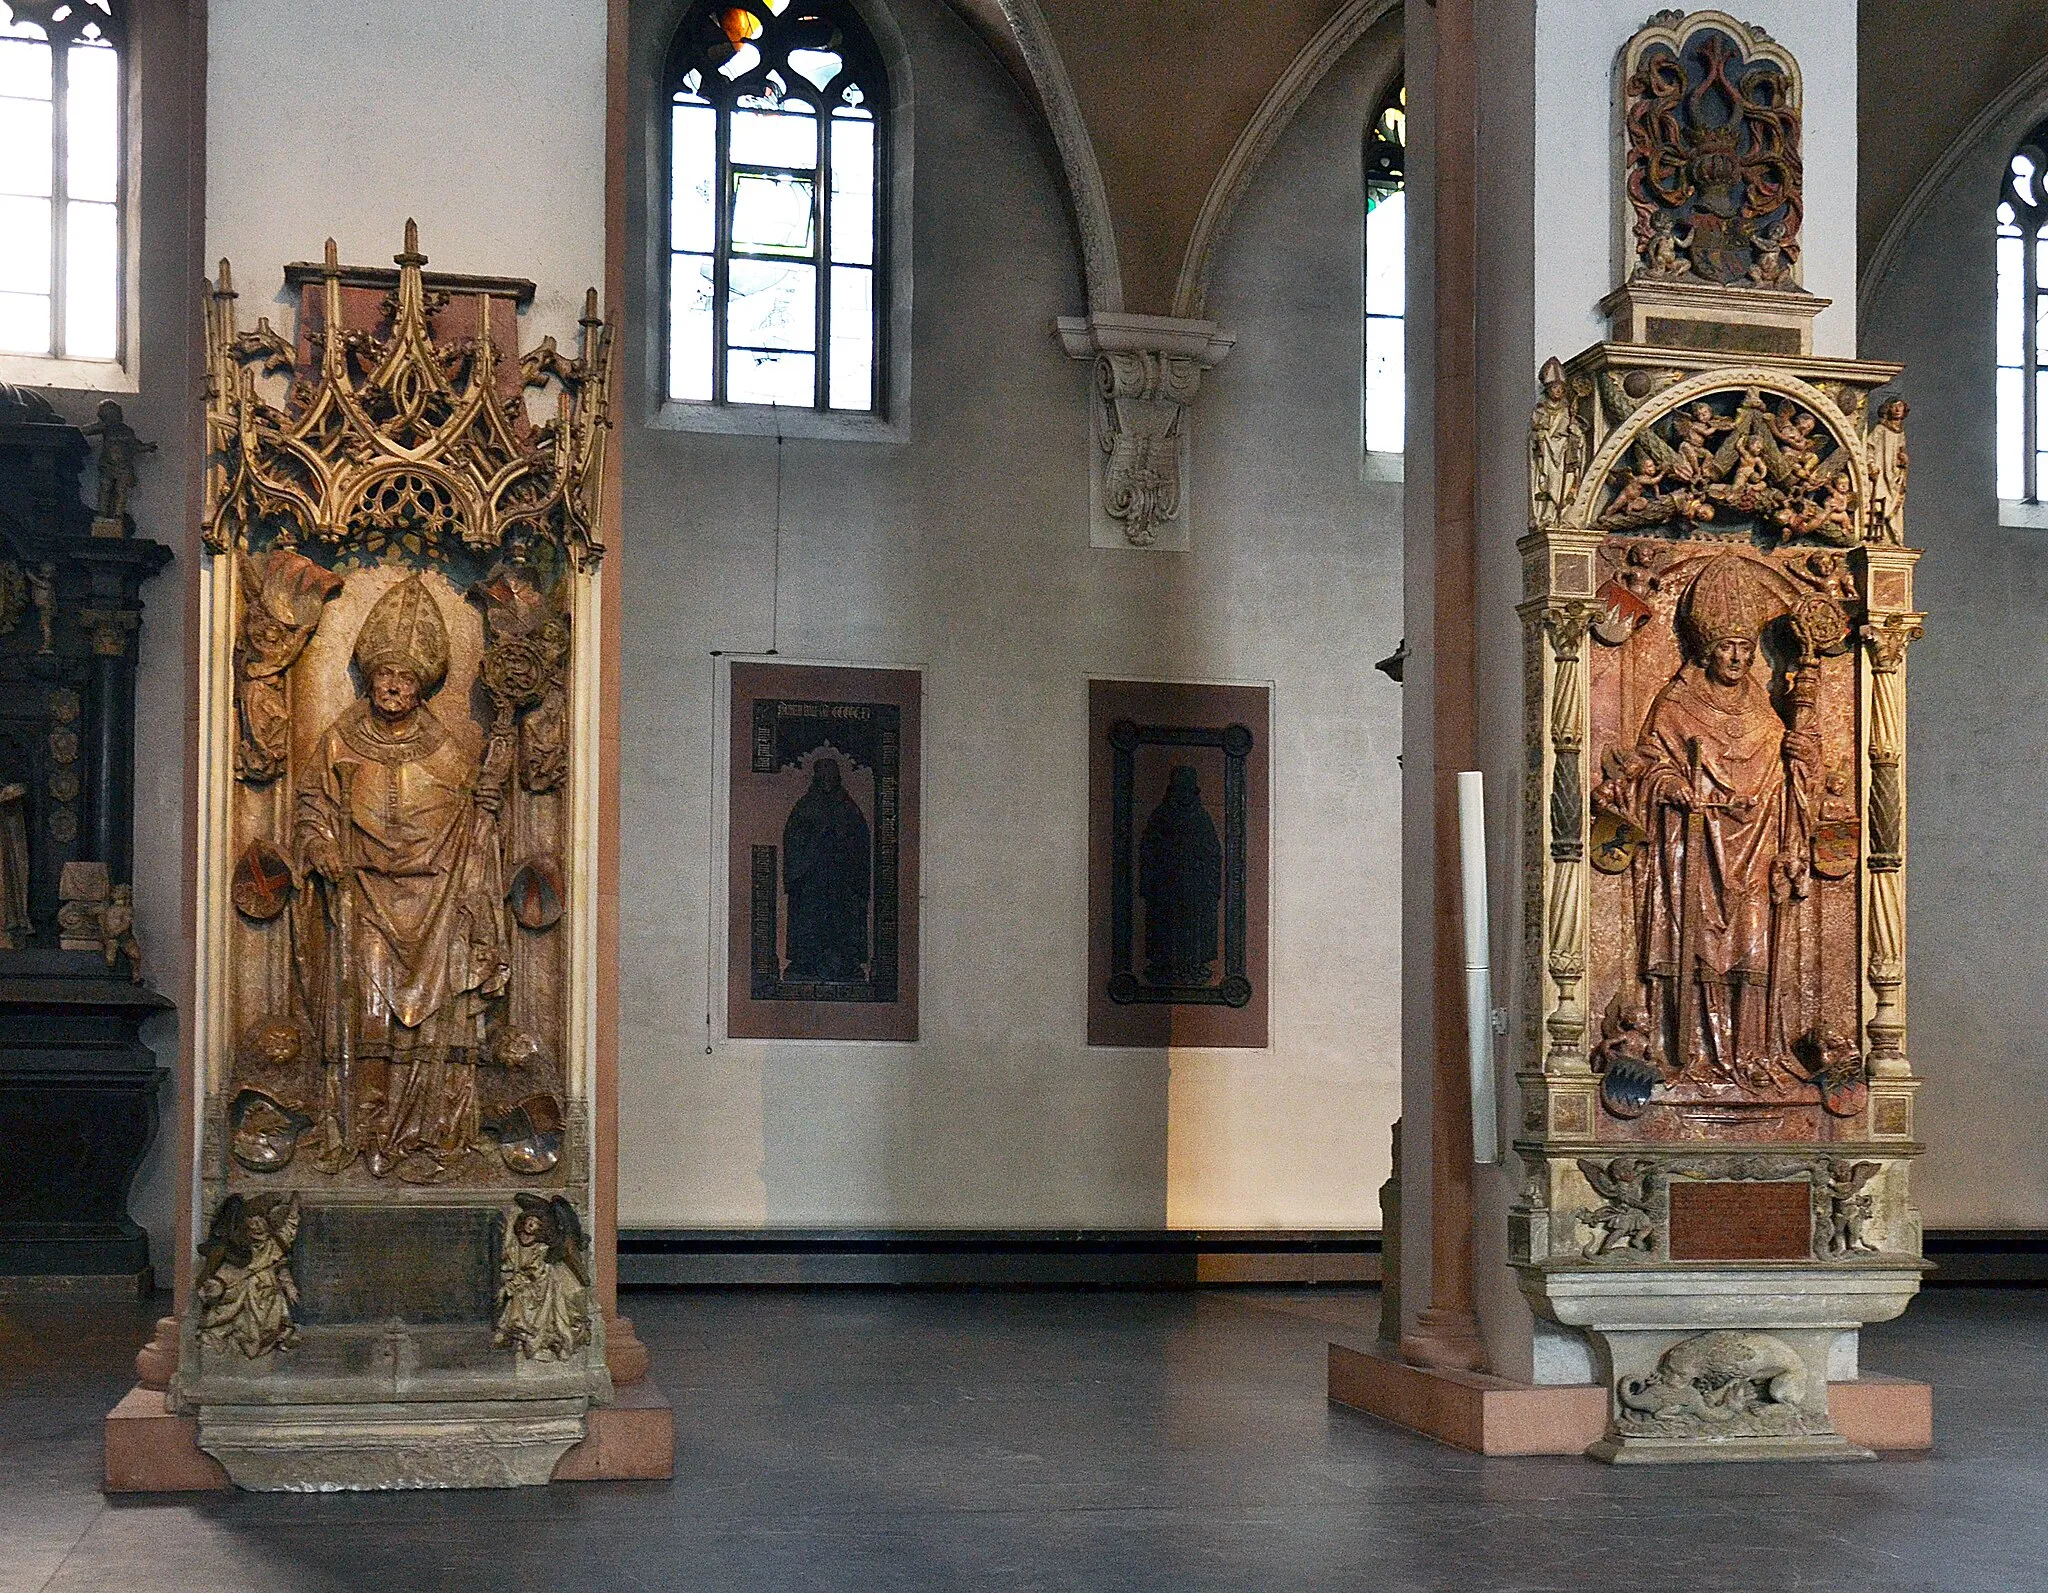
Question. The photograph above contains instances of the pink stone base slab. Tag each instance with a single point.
(150, 1450)
(1497, 1416)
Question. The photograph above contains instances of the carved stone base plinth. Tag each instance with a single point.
(1692, 1451)
(152, 1449)
(1726, 1364)
(1498, 1416)
(336, 1448)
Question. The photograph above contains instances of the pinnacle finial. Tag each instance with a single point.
(226, 287)
(412, 236)
(332, 258)
(590, 307)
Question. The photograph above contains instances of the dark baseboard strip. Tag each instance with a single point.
(1987, 1255)
(1121, 1258)
(715, 1258)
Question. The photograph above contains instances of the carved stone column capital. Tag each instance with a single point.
(110, 629)
(1148, 369)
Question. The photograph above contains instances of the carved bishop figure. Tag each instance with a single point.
(1723, 792)
(403, 960)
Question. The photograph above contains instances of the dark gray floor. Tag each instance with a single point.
(1070, 1440)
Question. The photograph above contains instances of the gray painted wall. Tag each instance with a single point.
(1977, 725)
(965, 550)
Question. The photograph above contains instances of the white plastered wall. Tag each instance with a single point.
(1977, 716)
(965, 550)
(483, 121)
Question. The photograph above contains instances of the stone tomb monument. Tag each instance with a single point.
(1717, 1120)
(397, 875)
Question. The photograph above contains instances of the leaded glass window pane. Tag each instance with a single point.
(2022, 322)
(774, 219)
(61, 179)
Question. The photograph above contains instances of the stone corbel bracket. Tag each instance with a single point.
(1148, 369)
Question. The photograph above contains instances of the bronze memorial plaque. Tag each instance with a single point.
(1721, 1220)
(822, 940)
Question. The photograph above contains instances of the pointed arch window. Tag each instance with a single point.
(777, 113)
(1386, 274)
(2023, 322)
(63, 178)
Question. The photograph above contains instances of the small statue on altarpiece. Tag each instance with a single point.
(543, 1281)
(120, 447)
(117, 932)
(405, 946)
(1888, 461)
(1558, 448)
(245, 1287)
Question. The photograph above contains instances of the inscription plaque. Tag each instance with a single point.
(361, 1264)
(1721, 1220)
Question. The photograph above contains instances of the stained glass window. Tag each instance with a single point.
(776, 111)
(1386, 275)
(62, 178)
(2023, 322)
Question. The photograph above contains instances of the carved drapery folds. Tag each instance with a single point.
(1148, 371)
(1711, 111)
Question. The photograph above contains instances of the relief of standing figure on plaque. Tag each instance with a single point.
(1180, 880)
(403, 947)
(1723, 790)
(827, 878)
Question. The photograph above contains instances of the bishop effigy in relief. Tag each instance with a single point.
(397, 819)
(828, 878)
(1722, 791)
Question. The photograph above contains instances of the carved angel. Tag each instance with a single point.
(245, 1288)
(1623, 1220)
(543, 1281)
(1850, 1207)
(1886, 446)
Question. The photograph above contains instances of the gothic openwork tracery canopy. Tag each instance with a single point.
(404, 425)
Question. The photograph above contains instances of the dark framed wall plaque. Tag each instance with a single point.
(1180, 817)
(821, 938)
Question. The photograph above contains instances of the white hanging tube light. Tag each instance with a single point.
(1478, 970)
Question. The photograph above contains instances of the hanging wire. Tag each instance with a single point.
(711, 807)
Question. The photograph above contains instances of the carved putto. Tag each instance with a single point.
(1733, 458)
(1711, 111)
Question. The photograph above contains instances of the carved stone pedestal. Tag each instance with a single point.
(471, 1443)
(1715, 1365)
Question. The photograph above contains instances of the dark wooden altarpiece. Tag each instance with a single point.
(78, 1089)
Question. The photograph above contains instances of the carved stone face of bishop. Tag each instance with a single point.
(1728, 660)
(394, 691)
